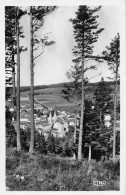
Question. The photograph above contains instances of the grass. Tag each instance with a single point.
(53, 101)
(51, 173)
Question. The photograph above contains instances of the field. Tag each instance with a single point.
(38, 172)
(51, 96)
(53, 100)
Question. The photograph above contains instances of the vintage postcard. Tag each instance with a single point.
(63, 96)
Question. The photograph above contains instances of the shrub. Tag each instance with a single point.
(11, 136)
(40, 143)
(51, 144)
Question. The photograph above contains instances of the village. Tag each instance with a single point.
(47, 120)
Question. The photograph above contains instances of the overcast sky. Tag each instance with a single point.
(52, 65)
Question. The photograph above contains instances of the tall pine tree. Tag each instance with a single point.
(37, 15)
(13, 31)
(86, 32)
(112, 56)
(103, 106)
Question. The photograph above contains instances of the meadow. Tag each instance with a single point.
(25, 172)
(52, 97)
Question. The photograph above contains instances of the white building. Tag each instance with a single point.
(52, 119)
(24, 120)
(72, 123)
(107, 119)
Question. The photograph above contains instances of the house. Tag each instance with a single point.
(22, 126)
(24, 120)
(117, 126)
(59, 126)
(107, 119)
(71, 123)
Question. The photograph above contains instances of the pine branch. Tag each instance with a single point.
(38, 55)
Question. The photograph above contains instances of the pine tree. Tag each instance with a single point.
(103, 106)
(86, 32)
(112, 56)
(72, 93)
(18, 81)
(12, 33)
(36, 22)
(91, 136)
(103, 100)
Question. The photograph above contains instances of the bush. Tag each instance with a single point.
(11, 136)
(12, 160)
(40, 143)
(51, 144)
(114, 168)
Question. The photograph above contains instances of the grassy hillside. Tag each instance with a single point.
(53, 173)
(52, 97)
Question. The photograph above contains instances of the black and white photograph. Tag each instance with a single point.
(62, 83)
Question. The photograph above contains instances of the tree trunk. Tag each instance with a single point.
(114, 126)
(18, 83)
(115, 102)
(108, 148)
(75, 130)
(31, 149)
(82, 106)
(89, 156)
(82, 116)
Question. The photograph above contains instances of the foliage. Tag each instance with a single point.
(112, 56)
(72, 91)
(51, 143)
(95, 133)
(10, 40)
(103, 99)
(38, 16)
(11, 136)
(58, 146)
(40, 143)
(86, 32)
(91, 131)
(103, 105)
(68, 147)
(48, 173)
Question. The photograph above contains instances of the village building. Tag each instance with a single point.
(52, 117)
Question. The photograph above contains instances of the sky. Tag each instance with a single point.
(56, 60)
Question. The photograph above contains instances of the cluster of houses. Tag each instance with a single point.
(48, 121)
(51, 120)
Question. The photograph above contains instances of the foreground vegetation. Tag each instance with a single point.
(25, 172)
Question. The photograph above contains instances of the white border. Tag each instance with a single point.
(122, 6)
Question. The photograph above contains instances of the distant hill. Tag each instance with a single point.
(60, 85)
(56, 88)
